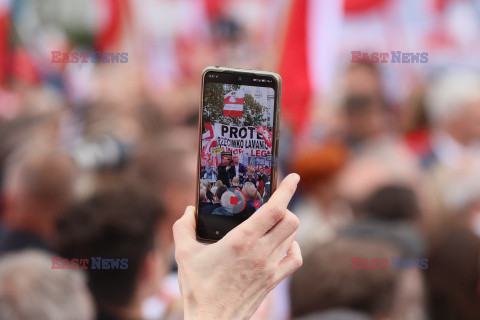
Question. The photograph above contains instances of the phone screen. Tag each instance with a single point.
(237, 149)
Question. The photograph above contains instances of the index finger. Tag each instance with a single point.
(274, 210)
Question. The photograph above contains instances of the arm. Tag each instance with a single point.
(229, 279)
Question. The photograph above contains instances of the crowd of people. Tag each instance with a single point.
(218, 185)
(99, 161)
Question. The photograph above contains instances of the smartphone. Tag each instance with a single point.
(238, 147)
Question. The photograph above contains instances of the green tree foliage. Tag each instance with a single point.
(213, 110)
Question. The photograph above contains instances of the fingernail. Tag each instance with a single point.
(297, 177)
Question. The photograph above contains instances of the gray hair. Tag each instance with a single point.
(31, 289)
(250, 191)
(450, 93)
(226, 203)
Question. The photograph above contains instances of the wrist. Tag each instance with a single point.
(207, 313)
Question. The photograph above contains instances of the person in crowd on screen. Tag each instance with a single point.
(218, 183)
(268, 189)
(210, 173)
(203, 201)
(30, 289)
(205, 184)
(250, 193)
(216, 200)
(268, 171)
(239, 168)
(225, 171)
(250, 178)
(227, 204)
(261, 175)
(260, 184)
(236, 182)
(38, 186)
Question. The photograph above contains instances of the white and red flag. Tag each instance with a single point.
(234, 101)
(267, 135)
(209, 134)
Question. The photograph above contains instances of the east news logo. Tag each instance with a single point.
(396, 263)
(94, 263)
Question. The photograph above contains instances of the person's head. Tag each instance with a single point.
(226, 201)
(392, 202)
(318, 166)
(250, 191)
(453, 277)
(327, 280)
(453, 105)
(261, 169)
(118, 224)
(203, 195)
(236, 180)
(164, 166)
(219, 192)
(250, 175)
(39, 185)
(205, 184)
(362, 107)
(209, 163)
(218, 183)
(214, 190)
(30, 289)
(235, 160)
(225, 160)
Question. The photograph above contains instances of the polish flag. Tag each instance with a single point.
(267, 135)
(234, 101)
(208, 135)
(308, 60)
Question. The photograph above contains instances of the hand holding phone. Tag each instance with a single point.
(261, 241)
(238, 127)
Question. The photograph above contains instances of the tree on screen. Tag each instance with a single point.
(213, 110)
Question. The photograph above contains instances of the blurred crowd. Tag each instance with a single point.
(99, 159)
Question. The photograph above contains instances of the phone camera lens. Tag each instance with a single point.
(239, 78)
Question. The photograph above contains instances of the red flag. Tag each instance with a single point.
(112, 15)
(4, 38)
(294, 68)
(208, 135)
(267, 135)
(308, 58)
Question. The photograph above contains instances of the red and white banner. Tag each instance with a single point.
(308, 59)
(267, 135)
(234, 101)
(242, 141)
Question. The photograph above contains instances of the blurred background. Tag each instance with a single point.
(388, 153)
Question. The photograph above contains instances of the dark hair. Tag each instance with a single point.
(392, 202)
(327, 279)
(220, 190)
(453, 273)
(113, 224)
